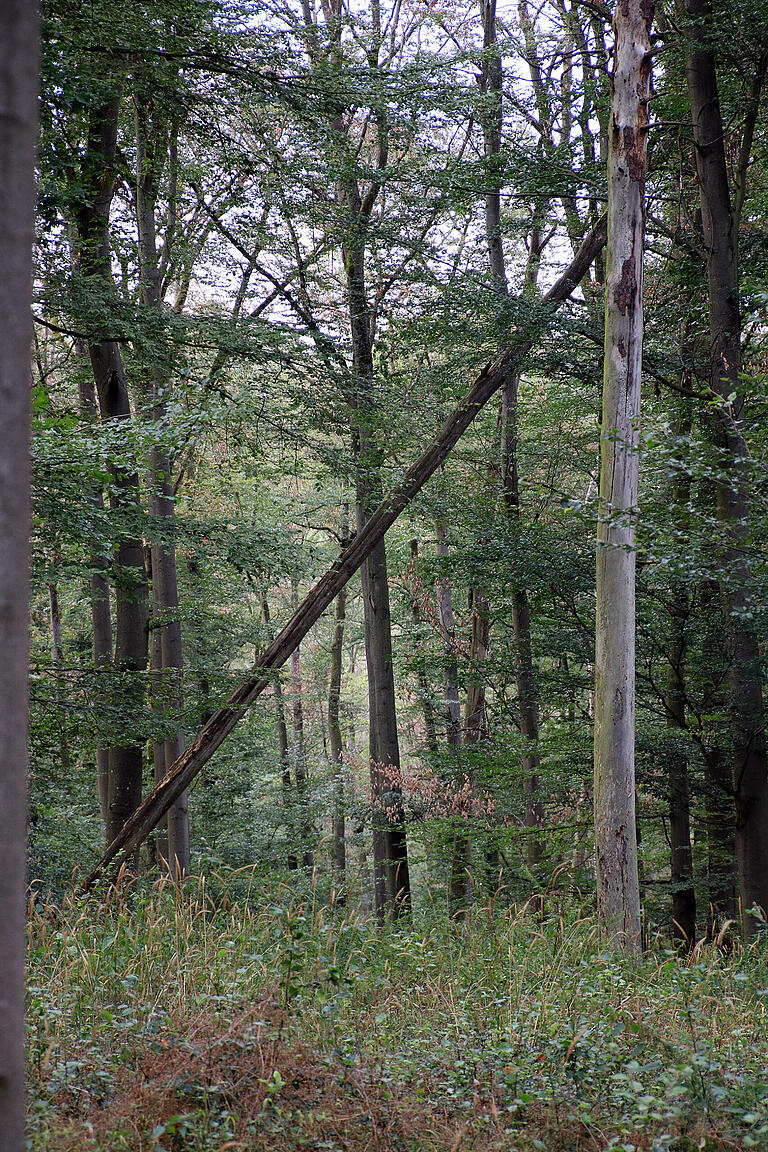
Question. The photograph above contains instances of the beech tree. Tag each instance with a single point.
(618, 892)
(19, 32)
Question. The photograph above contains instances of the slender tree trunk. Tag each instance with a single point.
(225, 719)
(125, 761)
(101, 613)
(422, 679)
(338, 854)
(19, 31)
(448, 628)
(719, 801)
(461, 887)
(283, 746)
(720, 229)
(492, 82)
(164, 575)
(618, 894)
(681, 858)
(57, 660)
(298, 748)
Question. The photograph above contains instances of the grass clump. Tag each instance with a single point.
(182, 1021)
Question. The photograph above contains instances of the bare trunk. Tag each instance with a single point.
(618, 894)
(200, 750)
(720, 229)
(19, 31)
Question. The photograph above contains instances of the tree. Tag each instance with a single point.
(720, 219)
(618, 893)
(19, 32)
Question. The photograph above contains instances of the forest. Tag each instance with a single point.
(383, 575)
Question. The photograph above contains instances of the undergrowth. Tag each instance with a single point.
(188, 1021)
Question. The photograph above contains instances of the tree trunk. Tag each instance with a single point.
(422, 680)
(101, 613)
(164, 576)
(283, 747)
(19, 31)
(338, 854)
(448, 627)
(681, 858)
(199, 751)
(618, 894)
(492, 84)
(720, 231)
(125, 761)
(298, 748)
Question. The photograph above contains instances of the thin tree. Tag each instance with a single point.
(618, 893)
(19, 31)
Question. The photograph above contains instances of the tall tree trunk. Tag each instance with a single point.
(720, 231)
(618, 894)
(492, 83)
(225, 719)
(125, 761)
(681, 857)
(164, 575)
(19, 32)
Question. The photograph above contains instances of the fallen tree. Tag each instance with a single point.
(183, 771)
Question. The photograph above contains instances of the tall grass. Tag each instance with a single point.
(516, 1030)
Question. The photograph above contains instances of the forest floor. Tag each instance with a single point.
(193, 1021)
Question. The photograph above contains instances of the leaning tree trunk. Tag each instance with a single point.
(214, 733)
(19, 30)
(618, 894)
(720, 228)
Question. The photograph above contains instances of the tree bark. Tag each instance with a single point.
(19, 33)
(618, 894)
(200, 750)
(720, 234)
